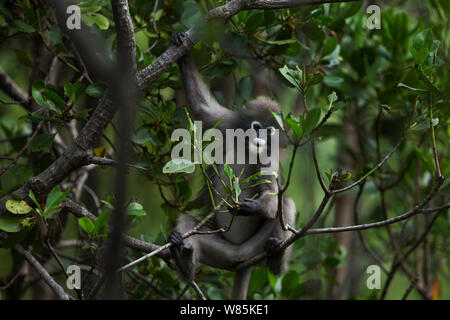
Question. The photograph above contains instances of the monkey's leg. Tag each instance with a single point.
(182, 253)
(212, 249)
(279, 262)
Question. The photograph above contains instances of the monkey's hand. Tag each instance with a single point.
(272, 244)
(182, 254)
(250, 207)
(178, 38)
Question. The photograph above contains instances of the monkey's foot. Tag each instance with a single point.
(178, 38)
(185, 249)
(272, 244)
(176, 239)
(249, 207)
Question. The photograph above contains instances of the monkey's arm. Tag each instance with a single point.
(266, 205)
(202, 103)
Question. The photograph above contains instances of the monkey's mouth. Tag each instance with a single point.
(257, 145)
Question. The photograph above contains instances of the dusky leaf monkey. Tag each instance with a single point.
(256, 226)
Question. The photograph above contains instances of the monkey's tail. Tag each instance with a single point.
(241, 282)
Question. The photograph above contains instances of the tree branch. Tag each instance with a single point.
(10, 87)
(54, 286)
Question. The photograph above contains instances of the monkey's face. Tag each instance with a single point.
(261, 141)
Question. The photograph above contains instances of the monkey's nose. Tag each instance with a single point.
(260, 143)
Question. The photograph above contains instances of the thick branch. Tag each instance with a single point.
(153, 71)
(126, 45)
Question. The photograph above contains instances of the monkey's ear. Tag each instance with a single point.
(202, 103)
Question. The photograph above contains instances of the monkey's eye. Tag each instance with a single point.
(256, 125)
(271, 130)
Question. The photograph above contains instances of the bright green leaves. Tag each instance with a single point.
(54, 199)
(234, 186)
(294, 124)
(178, 166)
(299, 79)
(87, 225)
(90, 14)
(22, 216)
(18, 207)
(52, 203)
(136, 209)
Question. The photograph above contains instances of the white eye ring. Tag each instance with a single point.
(271, 130)
(256, 123)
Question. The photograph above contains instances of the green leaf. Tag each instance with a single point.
(95, 90)
(33, 198)
(252, 177)
(312, 118)
(54, 199)
(263, 181)
(179, 165)
(228, 171)
(245, 87)
(289, 282)
(36, 89)
(18, 207)
(41, 142)
(314, 78)
(422, 44)
(136, 209)
(54, 96)
(142, 135)
(295, 126)
(86, 224)
(332, 97)
(101, 21)
(22, 26)
(23, 58)
(328, 46)
(293, 76)
(47, 96)
(102, 220)
(279, 119)
(10, 223)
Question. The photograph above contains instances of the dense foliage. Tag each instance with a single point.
(359, 93)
